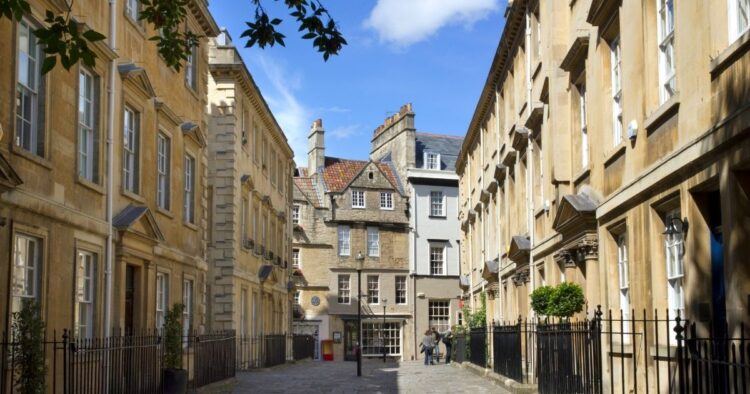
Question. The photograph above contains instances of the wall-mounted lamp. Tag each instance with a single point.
(675, 226)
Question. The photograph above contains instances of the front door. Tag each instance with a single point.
(351, 340)
(129, 297)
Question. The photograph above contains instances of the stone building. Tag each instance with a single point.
(346, 213)
(610, 147)
(249, 192)
(103, 170)
(426, 162)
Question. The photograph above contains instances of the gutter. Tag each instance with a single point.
(110, 167)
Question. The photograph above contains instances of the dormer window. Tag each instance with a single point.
(432, 161)
(358, 199)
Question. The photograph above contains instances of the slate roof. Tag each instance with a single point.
(339, 173)
(306, 191)
(448, 146)
(581, 202)
(128, 216)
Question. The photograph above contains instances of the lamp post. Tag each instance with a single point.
(382, 330)
(360, 261)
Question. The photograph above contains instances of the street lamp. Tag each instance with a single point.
(382, 329)
(360, 261)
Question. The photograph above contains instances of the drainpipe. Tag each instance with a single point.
(471, 244)
(110, 167)
(109, 253)
(414, 272)
(529, 155)
(498, 215)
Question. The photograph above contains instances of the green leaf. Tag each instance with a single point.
(48, 64)
(93, 36)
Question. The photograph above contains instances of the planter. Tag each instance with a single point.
(175, 381)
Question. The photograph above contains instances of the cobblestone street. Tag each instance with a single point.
(340, 377)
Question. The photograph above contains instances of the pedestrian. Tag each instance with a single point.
(448, 341)
(428, 344)
(436, 337)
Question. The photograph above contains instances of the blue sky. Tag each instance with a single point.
(432, 53)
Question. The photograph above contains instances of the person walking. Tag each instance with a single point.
(428, 344)
(448, 341)
(436, 337)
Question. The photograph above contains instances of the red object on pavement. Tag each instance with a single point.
(326, 347)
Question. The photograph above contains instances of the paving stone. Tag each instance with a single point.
(377, 377)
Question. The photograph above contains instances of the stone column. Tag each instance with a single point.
(588, 250)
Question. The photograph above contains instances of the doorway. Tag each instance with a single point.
(130, 279)
(351, 340)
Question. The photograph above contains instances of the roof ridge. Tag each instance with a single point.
(458, 137)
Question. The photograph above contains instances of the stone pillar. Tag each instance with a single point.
(589, 252)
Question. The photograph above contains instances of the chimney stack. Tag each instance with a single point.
(316, 149)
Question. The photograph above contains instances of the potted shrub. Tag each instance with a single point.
(175, 377)
(567, 300)
(28, 349)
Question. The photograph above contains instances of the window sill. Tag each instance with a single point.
(585, 172)
(192, 91)
(728, 56)
(662, 114)
(190, 226)
(614, 154)
(133, 196)
(386, 209)
(358, 207)
(136, 25)
(165, 212)
(31, 157)
(90, 185)
(438, 217)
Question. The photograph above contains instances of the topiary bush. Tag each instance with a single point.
(567, 300)
(173, 337)
(541, 299)
(28, 349)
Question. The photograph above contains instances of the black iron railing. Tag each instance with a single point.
(478, 346)
(263, 351)
(623, 353)
(121, 363)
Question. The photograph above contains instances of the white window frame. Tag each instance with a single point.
(295, 214)
(439, 315)
(29, 130)
(386, 200)
(296, 258)
(358, 199)
(402, 290)
(738, 18)
(188, 201)
(616, 80)
(665, 37)
(432, 160)
(188, 294)
(373, 241)
(162, 298)
(85, 294)
(25, 283)
(623, 280)
(163, 170)
(297, 296)
(133, 9)
(373, 289)
(131, 151)
(344, 289)
(191, 68)
(344, 235)
(674, 245)
(375, 336)
(432, 256)
(87, 125)
(437, 203)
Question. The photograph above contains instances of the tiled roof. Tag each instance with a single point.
(306, 190)
(448, 146)
(339, 173)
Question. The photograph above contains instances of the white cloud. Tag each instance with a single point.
(343, 132)
(291, 114)
(405, 22)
